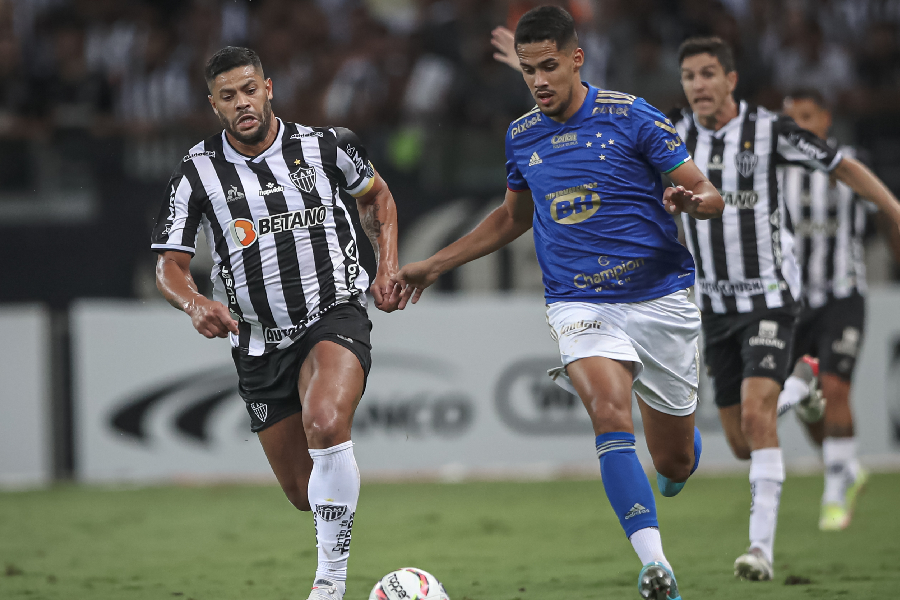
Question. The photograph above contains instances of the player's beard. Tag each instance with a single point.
(560, 109)
(250, 139)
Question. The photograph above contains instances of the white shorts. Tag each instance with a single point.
(659, 336)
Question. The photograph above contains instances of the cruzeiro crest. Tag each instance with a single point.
(304, 177)
(745, 162)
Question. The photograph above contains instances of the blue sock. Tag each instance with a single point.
(625, 483)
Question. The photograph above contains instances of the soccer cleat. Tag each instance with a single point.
(325, 590)
(812, 408)
(656, 582)
(835, 517)
(753, 566)
(669, 488)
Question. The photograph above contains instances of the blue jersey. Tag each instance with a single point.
(600, 228)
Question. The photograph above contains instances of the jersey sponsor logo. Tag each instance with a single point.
(304, 177)
(613, 274)
(564, 140)
(740, 199)
(806, 147)
(230, 293)
(746, 162)
(362, 167)
(767, 336)
(579, 326)
(352, 267)
(577, 189)
(233, 194)
(611, 110)
(667, 126)
(242, 232)
(298, 136)
(271, 188)
(525, 126)
(535, 160)
(575, 207)
(672, 144)
(245, 233)
(716, 163)
(209, 153)
(749, 287)
(331, 512)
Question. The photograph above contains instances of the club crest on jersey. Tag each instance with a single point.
(304, 178)
(746, 162)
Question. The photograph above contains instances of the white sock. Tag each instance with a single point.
(766, 477)
(795, 390)
(333, 493)
(648, 546)
(841, 468)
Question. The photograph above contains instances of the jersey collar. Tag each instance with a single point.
(582, 113)
(735, 122)
(233, 156)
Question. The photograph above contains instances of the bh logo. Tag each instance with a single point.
(575, 207)
(243, 232)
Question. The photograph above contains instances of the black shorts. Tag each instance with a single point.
(755, 344)
(833, 334)
(268, 383)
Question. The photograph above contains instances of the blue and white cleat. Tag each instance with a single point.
(656, 582)
(669, 488)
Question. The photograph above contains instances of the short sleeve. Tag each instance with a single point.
(656, 138)
(797, 146)
(179, 218)
(353, 162)
(514, 179)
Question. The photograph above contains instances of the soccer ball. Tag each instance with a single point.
(408, 584)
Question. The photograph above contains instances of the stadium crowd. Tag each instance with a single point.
(106, 95)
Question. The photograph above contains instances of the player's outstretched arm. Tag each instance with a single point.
(693, 194)
(865, 183)
(173, 278)
(503, 225)
(378, 217)
(503, 41)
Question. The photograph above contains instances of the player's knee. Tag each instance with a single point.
(756, 423)
(325, 428)
(675, 467)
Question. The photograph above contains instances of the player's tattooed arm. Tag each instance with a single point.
(693, 194)
(173, 279)
(378, 217)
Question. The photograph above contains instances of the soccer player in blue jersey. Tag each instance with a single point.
(583, 169)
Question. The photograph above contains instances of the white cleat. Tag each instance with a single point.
(753, 566)
(812, 408)
(325, 590)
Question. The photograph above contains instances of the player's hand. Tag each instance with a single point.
(385, 291)
(211, 318)
(503, 40)
(413, 279)
(678, 200)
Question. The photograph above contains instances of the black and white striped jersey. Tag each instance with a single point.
(829, 224)
(745, 259)
(282, 240)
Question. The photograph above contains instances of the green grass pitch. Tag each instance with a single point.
(486, 541)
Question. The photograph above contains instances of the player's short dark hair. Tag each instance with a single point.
(228, 58)
(811, 94)
(547, 23)
(707, 45)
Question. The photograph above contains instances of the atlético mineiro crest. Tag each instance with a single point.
(304, 177)
(746, 162)
(260, 410)
(331, 512)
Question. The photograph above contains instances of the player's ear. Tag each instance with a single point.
(578, 58)
(212, 103)
(269, 87)
(732, 78)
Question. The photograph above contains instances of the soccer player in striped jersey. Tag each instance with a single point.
(829, 224)
(748, 282)
(289, 288)
(583, 169)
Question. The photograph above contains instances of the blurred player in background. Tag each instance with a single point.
(829, 224)
(748, 284)
(583, 168)
(289, 288)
